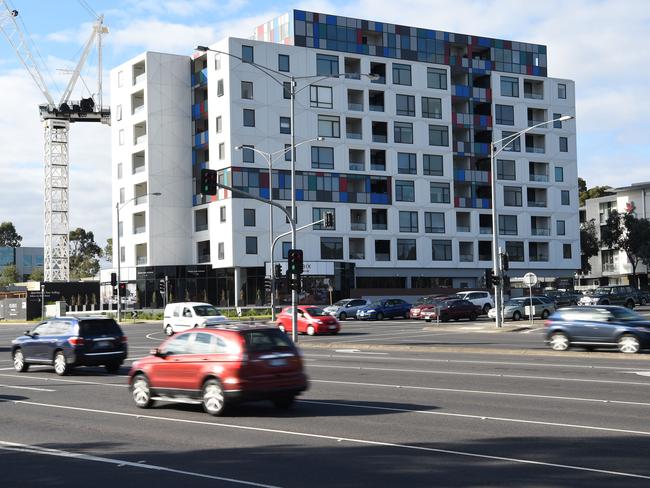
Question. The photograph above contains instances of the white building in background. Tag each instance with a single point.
(404, 165)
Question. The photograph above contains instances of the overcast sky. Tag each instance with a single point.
(599, 44)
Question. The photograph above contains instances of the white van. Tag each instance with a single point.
(185, 315)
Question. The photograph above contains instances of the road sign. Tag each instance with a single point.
(530, 279)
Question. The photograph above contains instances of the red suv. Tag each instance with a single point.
(311, 320)
(219, 366)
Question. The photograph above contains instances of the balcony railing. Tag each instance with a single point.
(463, 228)
(540, 231)
(358, 226)
(536, 203)
(535, 96)
(535, 149)
(376, 108)
(539, 257)
(609, 268)
(141, 199)
(535, 121)
(141, 139)
(139, 229)
(355, 106)
(200, 227)
(137, 109)
(138, 169)
(379, 138)
(354, 135)
(203, 258)
(141, 260)
(356, 166)
(140, 78)
(462, 202)
(466, 258)
(485, 230)
(472, 175)
(538, 177)
(353, 76)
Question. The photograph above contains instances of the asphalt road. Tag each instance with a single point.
(373, 417)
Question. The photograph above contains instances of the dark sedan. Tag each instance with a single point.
(389, 308)
(453, 310)
(598, 326)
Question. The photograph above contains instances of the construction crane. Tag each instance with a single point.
(56, 118)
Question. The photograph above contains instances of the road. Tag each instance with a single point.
(478, 416)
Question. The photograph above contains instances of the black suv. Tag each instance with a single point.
(611, 295)
(67, 342)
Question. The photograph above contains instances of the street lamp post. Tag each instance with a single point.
(505, 142)
(119, 206)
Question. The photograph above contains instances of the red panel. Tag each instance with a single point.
(343, 184)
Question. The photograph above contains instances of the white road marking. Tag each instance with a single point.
(81, 382)
(640, 373)
(14, 447)
(148, 336)
(27, 388)
(405, 335)
(357, 351)
(5, 369)
(351, 440)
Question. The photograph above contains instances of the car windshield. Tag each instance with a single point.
(315, 311)
(341, 303)
(625, 315)
(206, 311)
(517, 302)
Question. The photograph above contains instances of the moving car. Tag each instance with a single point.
(454, 309)
(187, 315)
(481, 298)
(424, 303)
(598, 326)
(346, 308)
(387, 308)
(220, 366)
(563, 298)
(515, 309)
(68, 342)
(611, 295)
(311, 320)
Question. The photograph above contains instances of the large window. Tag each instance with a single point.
(512, 196)
(438, 135)
(251, 245)
(401, 74)
(515, 251)
(559, 173)
(441, 250)
(247, 154)
(434, 222)
(327, 65)
(557, 124)
(249, 217)
(508, 225)
(331, 248)
(247, 90)
(560, 227)
(322, 157)
(403, 132)
(506, 169)
(512, 144)
(357, 247)
(436, 78)
(249, 117)
(439, 192)
(405, 105)
(404, 191)
(283, 62)
(564, 144)
(319, 214)
(220, 88)
(431, 108)
(286, 90)
(285, 125)
(509, 86)
(408, 221)
(329, 126)
(379, 219)
(219, 124)
(247, 55)
(406, 163)
(565, 195)
(561, 91)
(432, 165)
(406, 250)
(320, 96)
(566, 251)
(382, 250)
(505, 115)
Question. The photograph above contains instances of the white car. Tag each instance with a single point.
(482, 299)
(186, 315)
(346, 308)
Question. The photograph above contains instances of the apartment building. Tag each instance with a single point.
(406, 116)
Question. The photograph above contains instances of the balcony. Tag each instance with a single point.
(352, 68)
(540, 231)
(139, 72)
(139, 79)
(379, 132)
(201, 139)
(464, 147)
(140, 260)
(140, 133)
(539, 257)
(358, 226)
(376, 101)
(137, 163)
(538, 177)
(140, 200)
(609, 268)
(200, 78)
(353, 129)
(140, 254)
(467, 120)
(462, 202)
(485, 230)
(472, 176)
(203, 258)
(535, 143)
(200, 110)
(534, 89)
(537, 203)
(463, 228)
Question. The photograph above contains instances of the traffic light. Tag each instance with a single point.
(267, 284)
(505, 262)
(295, 264)
(122, 289)
(208, 182)
(278, 271)
(488, 278)
(161, 286)
(295, 284)
(496, 280)
(113, 279)
(329, 220)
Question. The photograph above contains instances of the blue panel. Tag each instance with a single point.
(316, 32)
(264, 192)
(193, 157)
(379, 26)
(343, 197)
(331, 19)
(299, 15)
(316, 40)
(300, 195)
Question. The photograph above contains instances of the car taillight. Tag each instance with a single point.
(547, 323)
(76, 341)
(124, 340)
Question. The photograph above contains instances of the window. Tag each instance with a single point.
(122, 254)
(221, 251)
(560, 227)
(509, 86)
(287, 152)
(561, 91)
(286, 90)
(249, 217)
(322, 157)
(217, 62)
(406, 250)
(401, 74)
(438, 135)
(285, 249)
(285, 125)
(512, 196)
(408, 222)
(564, 144)
(247, 54)
(331, 248)
(557, 124)
(222, 214)
(219, 124)
(405, 105)
(431, 108)
(511, 144)
(406, 163)
(120, 79)
(320, 96)
(251, 245)
(220, 88)
(283, 62)
(319, 214)
(327, 65)
(120, 229)
(439, 192)
(222, 150)
(508, 225)
(382, 250)
(119, 171)
(505, 115)
(404, 191)
(515, 251)
(559, 173)
(121, 195)
(118, 112)
(378, 160)
(357, 248)
(441, 250)
(436, 78)
(247, 90)
(379, 219)
(329, 126)
(564, 194)
(434, 222)
(566, 251)
(248, 154)
(403, 132)
(249, 117)
(432, 165)
(120, 136)
(506, 169)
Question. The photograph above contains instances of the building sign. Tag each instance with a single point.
(311, 268)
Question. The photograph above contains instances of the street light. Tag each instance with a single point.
(505, 142)
(119, 206)
(270, 158)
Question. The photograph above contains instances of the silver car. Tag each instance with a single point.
(346, 308)
(515, 309)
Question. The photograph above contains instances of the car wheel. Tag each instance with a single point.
(343, 316)
(19, 361)
(169, 330)
(559, 341)
(630, 304)
(473, 316)
(141, 392)
(112, 367)
(516, 315)
(310, 330)
(629, 344)
(486, 308)
(643, 301)
(545, 314)
(61, 367)
(284, 402)
(380, 316)
(214, 402)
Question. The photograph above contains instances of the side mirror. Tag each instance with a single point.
(156, 352)
(28, 333)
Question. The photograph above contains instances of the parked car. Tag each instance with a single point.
(515, 309)
(388, 308)
(563, 298)
(311, 320)
(68, 342)
(346, 308)
(481, 298)
(220, 366)
(611, 295)
(454, 309)
(425, 303)
(187, 315)
(598, 326)
(642, 297)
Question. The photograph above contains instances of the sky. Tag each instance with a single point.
(597, 43)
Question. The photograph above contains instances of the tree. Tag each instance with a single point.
(595, 192)
(589, 244)
(8, 275)
(37, 274)
(8, 235)
(108, 250)
(627, 233)
(84, 254)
